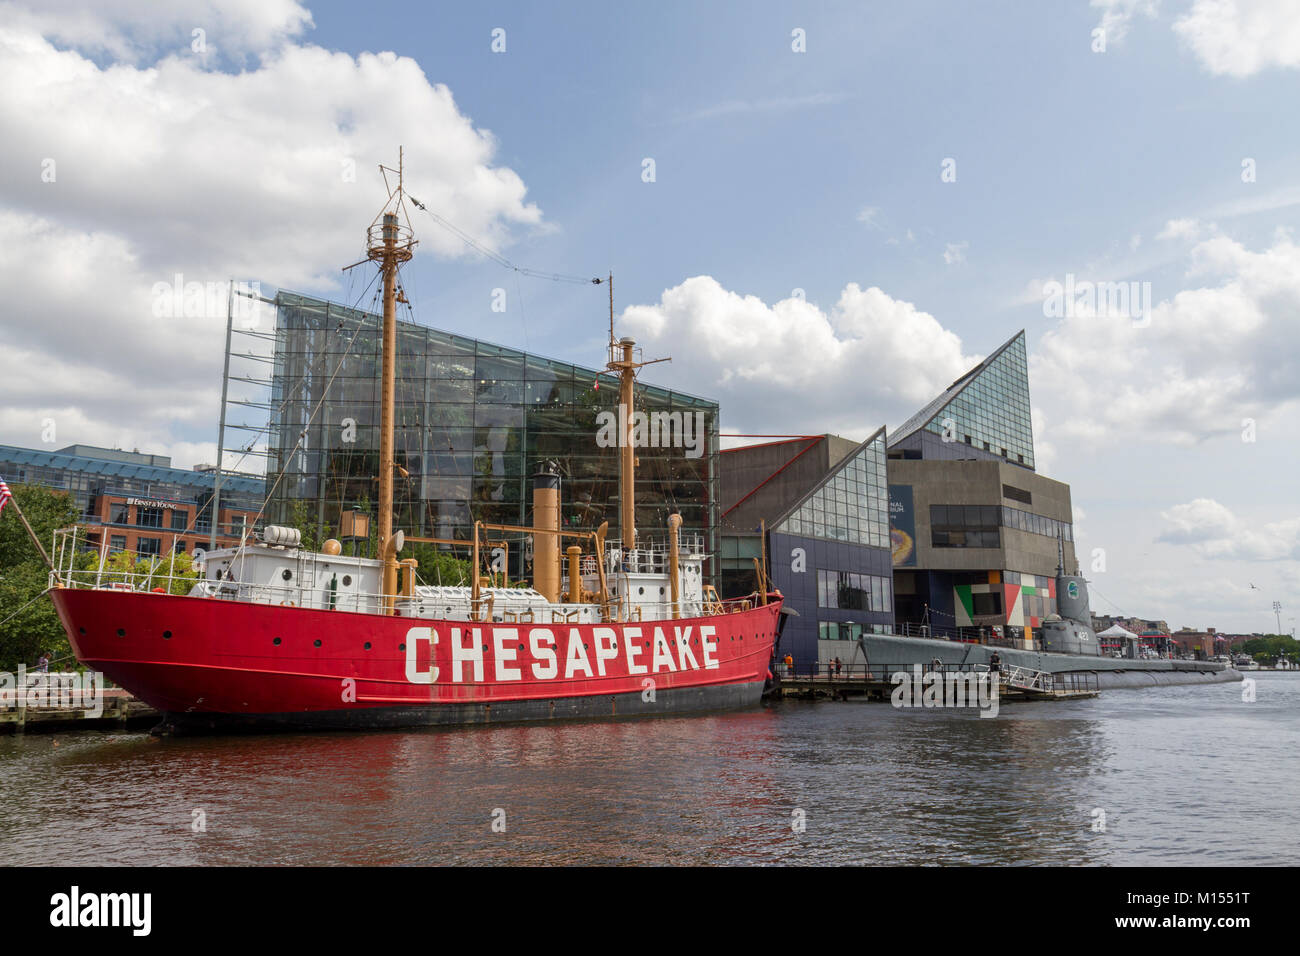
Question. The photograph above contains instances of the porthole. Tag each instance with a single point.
(347, 580)
(640, 590)
(276, 642)
(401, 647)
(167, 635)
(82, 630)
(286, 574)
(316, 643)
(121, 632)
(367, 645)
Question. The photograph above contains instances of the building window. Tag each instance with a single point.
(180, 520)
(839, 630)
(148, 517)
(117, 542)
(964, 526)
(1017, 494)
(118, 513)
(237, 525)
(1036, 524)
(148, 547)
(850, 591)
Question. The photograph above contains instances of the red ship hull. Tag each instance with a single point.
(223, 665)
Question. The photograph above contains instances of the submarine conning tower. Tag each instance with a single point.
(1069, 631)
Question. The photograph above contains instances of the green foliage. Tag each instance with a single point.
(1267, 649)
(29, 625)
(46, 510)
(438, 567)
(174, 573)
(303, 517)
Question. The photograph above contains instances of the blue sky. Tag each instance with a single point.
(775, 171)
(765, 158)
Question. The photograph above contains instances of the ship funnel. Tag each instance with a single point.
(546, 547)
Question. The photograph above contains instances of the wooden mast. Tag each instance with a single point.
(390, 243)
(625, 365)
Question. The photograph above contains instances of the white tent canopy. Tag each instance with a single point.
(1117, 631)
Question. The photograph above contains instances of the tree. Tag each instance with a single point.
(1267, 649)
(302, 518)
(29, 625)
(46, 510)
(437, 567)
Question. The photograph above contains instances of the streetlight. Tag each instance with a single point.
(1277, 609)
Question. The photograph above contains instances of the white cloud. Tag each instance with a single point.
(176, 168)
(1186, 229)
(1116, 15)
(1215, 532)
(870, 216)
(133, 30)
(1242, 37)
(789, 366)
(1207, 358)
(955, 252)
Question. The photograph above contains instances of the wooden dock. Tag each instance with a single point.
(121, 711)
(878, 683)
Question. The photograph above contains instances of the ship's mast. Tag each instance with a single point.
(390, 242)
(622, 360)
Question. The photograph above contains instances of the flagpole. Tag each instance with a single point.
(13, 500)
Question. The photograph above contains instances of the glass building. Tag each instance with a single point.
(977, 532)
(473, 422)
(984, 414)
(830, 558)
(823, 502)
(139, 501)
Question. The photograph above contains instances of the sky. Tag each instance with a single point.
(824, 213)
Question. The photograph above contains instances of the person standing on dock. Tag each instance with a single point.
(995, 663)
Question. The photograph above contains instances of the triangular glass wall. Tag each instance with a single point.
(851, 504)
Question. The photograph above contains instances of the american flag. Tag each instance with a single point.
(5, 494)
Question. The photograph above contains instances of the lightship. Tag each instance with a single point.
(275, 636)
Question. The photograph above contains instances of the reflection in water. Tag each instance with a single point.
(1184, 775)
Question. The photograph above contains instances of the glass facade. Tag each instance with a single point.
(991, 411)
(473, 422)
(852, 505)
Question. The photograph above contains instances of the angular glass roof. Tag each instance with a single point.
(850, 504)
(987, 408)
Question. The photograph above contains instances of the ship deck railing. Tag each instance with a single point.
(159, 581)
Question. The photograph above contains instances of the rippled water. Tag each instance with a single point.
(1185, 775)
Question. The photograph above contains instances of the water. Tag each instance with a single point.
(1185, 776)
